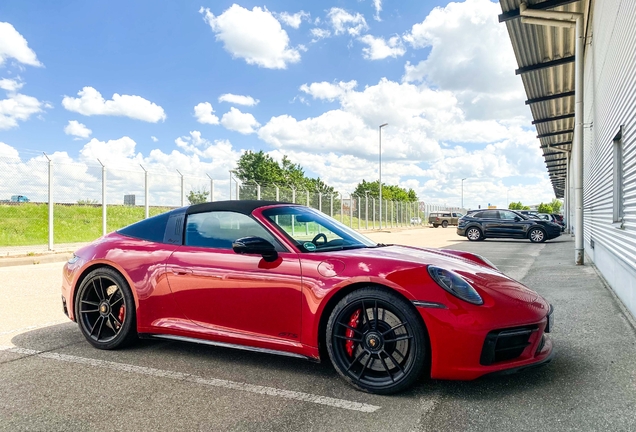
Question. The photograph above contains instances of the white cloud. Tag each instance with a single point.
(255, 36)
(154, 138)
(319, 33)
(14, 45)
(329, 91)
(293, 20)
(344, 22)
(470, 55)
(18, 107)
(203, 113)
(238, 99)
(91, 103)
(377, 4)
(379, 49)
(11, 85)
(77, 129)
(6, 151)
(238, 121)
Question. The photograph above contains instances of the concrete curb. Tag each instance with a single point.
(35, 259)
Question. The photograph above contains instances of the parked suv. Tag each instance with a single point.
(506, 224)
(444, 219)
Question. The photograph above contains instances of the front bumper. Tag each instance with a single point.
(461, 231)
(461, 350)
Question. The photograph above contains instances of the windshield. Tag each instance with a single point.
(313, 231)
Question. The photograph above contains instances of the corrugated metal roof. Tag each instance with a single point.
(533, 45)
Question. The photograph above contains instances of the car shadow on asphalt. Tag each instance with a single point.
(66, 339)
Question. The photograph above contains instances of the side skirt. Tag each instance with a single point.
(226, 345)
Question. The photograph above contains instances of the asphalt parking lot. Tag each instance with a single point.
(51, 379)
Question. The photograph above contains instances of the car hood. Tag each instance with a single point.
(484, 278)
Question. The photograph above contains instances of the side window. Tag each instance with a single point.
(219, 229)
(446, 215)
(617, 204)
(506, 215)
(490, 214)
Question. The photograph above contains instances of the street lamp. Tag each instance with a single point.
(463, 192)
(380, 170)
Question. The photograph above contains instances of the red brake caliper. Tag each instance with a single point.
(122, 314)
(353, 322)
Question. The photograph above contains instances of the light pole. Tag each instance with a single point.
(463, 192)
(380, 169)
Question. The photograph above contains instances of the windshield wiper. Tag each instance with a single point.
(341, 247)
(382, 245)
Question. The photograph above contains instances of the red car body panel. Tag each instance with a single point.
(220, 296)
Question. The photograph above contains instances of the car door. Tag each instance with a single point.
(490, 223)
(511, 225)
(221, 290)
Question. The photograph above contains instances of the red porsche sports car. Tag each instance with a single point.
(287, 279)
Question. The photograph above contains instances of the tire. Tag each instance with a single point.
(435, 226)
(474, 234)
(537, 235)
(103, 300)
(444, 224)
(376, 341)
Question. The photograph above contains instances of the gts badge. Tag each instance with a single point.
(288, 335)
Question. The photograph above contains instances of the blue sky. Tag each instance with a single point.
(321, 76)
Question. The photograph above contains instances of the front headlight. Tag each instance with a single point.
(455, 284)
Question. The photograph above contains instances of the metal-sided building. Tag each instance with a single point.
(583, 101)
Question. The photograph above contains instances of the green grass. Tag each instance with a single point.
(27, 224)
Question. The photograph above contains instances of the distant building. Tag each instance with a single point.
(129, 200)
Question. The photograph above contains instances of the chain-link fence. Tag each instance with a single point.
(52, 201)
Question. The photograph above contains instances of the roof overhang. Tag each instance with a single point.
(545, 57)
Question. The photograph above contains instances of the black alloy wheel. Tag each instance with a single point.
(474, 234)
(537, 235)
(105, 309)
(376, 341)
(444, 224)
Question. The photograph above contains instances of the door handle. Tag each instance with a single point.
(181, 271)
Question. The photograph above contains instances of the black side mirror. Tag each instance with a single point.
(517, 218)
(255, 246)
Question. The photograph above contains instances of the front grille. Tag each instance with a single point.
(506, 344)
(541, 344)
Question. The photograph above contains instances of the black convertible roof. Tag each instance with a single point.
(241, 206)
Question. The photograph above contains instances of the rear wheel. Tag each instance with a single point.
(105, 309)
(444, 224)
(537, 235)
(474, 234)
(435, 225)
(376, 341)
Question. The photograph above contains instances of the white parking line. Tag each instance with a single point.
(213, 382)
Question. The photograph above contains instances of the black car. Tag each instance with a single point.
(506, 224)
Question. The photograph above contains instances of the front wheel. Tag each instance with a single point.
(474, 234)
(105, 309)
(537, 235)
(376, 341)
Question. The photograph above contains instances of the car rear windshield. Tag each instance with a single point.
(151, 229)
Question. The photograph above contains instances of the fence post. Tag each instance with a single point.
(103, 197)
(293, 197)
(350, 211)
(359, 213)
(146, 194)
(319, 201)
(182, 191)
(331, 204)
(306, 190)
(341, 209)
(258, 191)
(50, 201)
(277, 194)
(373, 213)
(211, 187)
